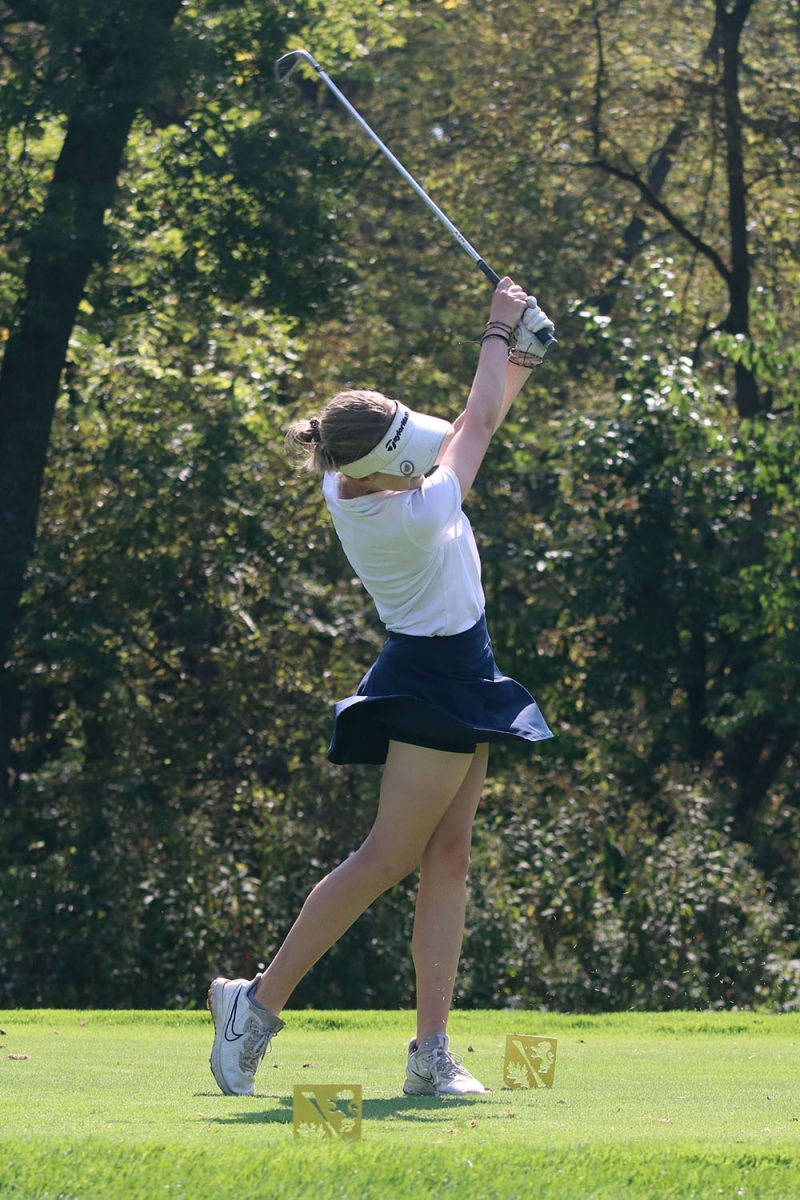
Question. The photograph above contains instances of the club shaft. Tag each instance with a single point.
(545, 335)
(491, 275)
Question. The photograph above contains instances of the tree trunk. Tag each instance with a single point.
(730, 25)
(67, 241)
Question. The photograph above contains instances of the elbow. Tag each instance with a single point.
(484, 421)
(483, 410)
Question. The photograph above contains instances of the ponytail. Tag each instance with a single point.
(304, 439)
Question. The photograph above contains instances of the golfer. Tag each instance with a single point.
(394, 481)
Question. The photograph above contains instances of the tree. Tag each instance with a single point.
(188, 617)
(116, 54)
(90, 70)
(724, 50)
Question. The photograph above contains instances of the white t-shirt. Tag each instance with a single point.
(414, 552)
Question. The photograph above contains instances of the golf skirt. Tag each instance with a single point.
(446, 693)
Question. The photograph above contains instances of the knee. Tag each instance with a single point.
(388, 865)
(448, 857)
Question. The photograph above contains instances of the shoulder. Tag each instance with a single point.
(442, 487)
(432, 508)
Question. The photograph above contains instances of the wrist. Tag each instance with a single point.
(493, 326)
(496, 330)
(497, 348)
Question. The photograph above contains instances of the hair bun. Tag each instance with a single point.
(346, 429)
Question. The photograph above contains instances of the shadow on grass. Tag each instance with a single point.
(407, 1106)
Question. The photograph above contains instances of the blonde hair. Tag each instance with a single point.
(349, 426)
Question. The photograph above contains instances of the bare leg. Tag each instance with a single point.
(441, 902)
(417, 787)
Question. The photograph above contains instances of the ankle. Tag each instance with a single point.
(261, 997)
(429, 1033)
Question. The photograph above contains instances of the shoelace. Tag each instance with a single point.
(254, 1049)
(447, 1063)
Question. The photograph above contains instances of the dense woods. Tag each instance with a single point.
(191, 257)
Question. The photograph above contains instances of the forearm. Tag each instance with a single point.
(516, 378)
(495, 385)
(487, 394)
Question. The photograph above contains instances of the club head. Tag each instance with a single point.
(287, 64)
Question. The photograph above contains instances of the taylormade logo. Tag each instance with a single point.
(392, 442)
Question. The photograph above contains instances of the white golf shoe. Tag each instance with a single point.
(242, 1034)
(433, 1071)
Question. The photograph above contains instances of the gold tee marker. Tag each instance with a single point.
(530, 1061)
(327, 1110)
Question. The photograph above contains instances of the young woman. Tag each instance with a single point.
(428, 707)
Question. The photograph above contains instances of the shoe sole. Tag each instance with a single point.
(423, 1089)
(429, 1090)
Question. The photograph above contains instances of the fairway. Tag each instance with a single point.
(122, 1104)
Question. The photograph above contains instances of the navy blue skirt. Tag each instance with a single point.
(446, 693)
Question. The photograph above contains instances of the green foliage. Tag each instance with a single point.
(706, 921)
(596, 903)
(189, 618)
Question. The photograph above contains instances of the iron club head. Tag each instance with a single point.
(287, 64)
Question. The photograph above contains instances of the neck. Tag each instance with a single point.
(351, 489)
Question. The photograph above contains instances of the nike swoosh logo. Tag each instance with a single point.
(230, 1024)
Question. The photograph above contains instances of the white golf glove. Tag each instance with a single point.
(529, 351)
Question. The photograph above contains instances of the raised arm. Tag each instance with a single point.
(494, 387)
(516, 378)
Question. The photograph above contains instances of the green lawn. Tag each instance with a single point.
(122, 1104)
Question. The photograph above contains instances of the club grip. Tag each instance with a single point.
(545, 336)
(491, 275)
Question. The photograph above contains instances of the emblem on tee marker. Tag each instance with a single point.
(530, 1061)
(328, 1110)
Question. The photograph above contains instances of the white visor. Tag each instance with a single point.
(409, 446)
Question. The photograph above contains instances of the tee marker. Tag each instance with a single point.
(530, 1061)
(328, 1111)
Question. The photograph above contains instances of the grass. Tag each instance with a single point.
(121, 1105)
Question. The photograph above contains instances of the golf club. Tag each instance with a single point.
(282, 74)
